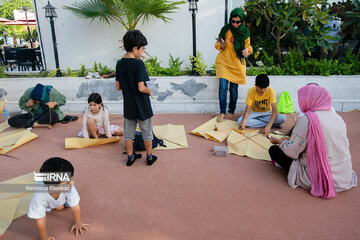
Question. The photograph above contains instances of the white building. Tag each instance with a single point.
(80, 41)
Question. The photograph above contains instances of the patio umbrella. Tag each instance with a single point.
(30, 19)
(4, 20)
(17, 22)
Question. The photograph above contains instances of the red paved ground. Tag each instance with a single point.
(186, 194)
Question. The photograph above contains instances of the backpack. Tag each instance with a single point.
(138, 142)
(285, 104)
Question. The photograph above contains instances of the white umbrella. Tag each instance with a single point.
(4, 20)
(16, 22)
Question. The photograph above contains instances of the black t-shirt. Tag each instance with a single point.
(129, 72)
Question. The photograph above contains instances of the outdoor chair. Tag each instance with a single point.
(2, 58)
(26, 57)
(38, 57)
(10, 57)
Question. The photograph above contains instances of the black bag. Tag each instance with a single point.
(69, 118)
(138, 142)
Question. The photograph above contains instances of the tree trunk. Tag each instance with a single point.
(278, 38)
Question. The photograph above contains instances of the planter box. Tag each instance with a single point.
(184, 94)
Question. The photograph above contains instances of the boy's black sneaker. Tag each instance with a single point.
(151, 160)
(133, 159)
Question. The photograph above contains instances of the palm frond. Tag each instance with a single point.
(105, 10)
(151, 9)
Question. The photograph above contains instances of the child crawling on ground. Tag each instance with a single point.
(45, 201)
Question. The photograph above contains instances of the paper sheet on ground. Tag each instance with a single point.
(75, 143)
(174, 136)
(216, 131)
(14, 205)
(4, 125)
(14, 139)
(250, 143)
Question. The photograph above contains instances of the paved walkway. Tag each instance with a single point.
(187, 194)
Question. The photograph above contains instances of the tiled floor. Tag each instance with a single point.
(186, 194)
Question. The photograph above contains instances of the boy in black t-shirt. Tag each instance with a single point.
(131, 78)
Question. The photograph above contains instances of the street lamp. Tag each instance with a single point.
(51, 14)
(193, 9)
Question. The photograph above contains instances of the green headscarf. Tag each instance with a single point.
(240, 34)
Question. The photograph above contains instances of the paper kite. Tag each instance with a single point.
(14, 139)
(4, 125)
(216, 131)
(75, 143)
(250, 143)
(14, 204)
(174, 136)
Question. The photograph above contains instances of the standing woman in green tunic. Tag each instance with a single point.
(234, 45)
(42, 105)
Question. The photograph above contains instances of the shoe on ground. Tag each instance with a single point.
(153, 159)
(131, 161)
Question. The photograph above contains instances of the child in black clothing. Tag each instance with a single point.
(131, 78)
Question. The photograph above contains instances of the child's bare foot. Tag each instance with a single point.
(229, 116)
(37, 125)
(220, 117)
(119, 132)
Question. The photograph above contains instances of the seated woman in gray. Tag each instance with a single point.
(317, 155)
(42, 105)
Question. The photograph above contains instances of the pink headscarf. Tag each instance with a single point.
(315, 98)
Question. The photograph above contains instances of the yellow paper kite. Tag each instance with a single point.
(2, 105)
(4, 125)
(74, 143)
(14, 139)
(250, 143)
(12, 204)
(216, 131)
(174, 136)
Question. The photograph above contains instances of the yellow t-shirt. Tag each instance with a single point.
(260, 103)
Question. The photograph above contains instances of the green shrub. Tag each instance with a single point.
(53, 73)
(70, 73)
(153, 66)
(174, 66)
(82, 71)
(2, 73)
(95, 67)
(44, 74)
(104, 69)
(213, 69)
(199, 64)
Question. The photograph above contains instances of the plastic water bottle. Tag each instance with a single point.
(6, 114)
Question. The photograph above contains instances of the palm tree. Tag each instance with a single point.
(127, 12)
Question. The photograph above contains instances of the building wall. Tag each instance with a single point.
(82, 42)
(180, 94)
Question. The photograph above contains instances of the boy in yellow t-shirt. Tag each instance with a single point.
(261, 110)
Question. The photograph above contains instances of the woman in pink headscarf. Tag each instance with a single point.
(317, 155)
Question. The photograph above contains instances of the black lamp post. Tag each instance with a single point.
(51, 14)
(193, 9)
(226, 11)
